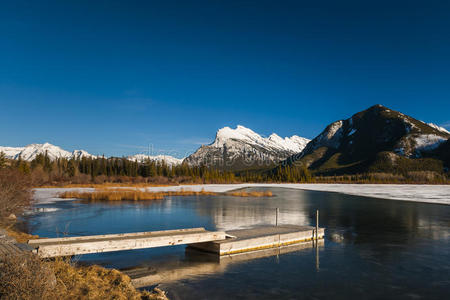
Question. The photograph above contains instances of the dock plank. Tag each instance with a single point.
(9, 249)
(119, 242)
(2, 250)
(115, 236)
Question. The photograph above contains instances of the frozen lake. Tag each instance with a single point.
(374, 248)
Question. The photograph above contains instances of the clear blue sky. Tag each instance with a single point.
(114, 76)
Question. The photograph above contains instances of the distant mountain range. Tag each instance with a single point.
(232, 145)
(29, 152)
(169, 160)
(377, 139)
(242, 148)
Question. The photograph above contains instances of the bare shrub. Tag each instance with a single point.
(425, 176)
(184, 179)
(15, 192)
(385, 177)
(139, 179)
(81, 179)
(100, 179)
(26, 277)
(29, 277)
(39, 176)
(159, 180)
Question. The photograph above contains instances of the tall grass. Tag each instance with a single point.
(250, 194)
(128, 194)
(29, 277)
(138, 194)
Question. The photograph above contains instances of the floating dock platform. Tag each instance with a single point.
(219, 242)
(261, 237)
(68, 246)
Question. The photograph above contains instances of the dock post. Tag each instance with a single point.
(317, 225)
(276, 216)
(317, 257)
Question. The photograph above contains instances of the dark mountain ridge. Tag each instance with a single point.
(377, 139)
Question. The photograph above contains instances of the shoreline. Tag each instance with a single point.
(110, 281)
(423, 193)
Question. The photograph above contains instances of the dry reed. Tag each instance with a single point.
(137, 194)
(250, 194)
(18, 235)
(128, 194)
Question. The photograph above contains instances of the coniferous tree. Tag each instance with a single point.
(2, 160)
(71, 168)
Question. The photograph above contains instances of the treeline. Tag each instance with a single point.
(86, 170)
(44, 171)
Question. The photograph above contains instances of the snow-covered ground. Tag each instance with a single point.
(419, 193)
(46, 196)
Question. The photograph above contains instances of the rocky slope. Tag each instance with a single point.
(376, 139)
(242, 148)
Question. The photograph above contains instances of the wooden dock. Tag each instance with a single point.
(69, 246)
(9, 246)
(10, 249)
(219, 242)
(261, 237)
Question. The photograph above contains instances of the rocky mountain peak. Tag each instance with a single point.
(241, 148)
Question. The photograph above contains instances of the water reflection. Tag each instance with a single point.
(230, 213)
(374, 248)
(197, 263)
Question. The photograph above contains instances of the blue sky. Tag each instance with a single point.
(113, 77)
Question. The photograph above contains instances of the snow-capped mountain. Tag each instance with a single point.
(78, 154)
(442, 129)
(370, 139)
(242, 148)
(30, 152)
(169, 160)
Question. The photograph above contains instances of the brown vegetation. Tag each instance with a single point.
(15, 193)
(106, 185)
(26, 276)
(29, 277)
(18, 235)
(137, 194)
(250, 194)
(128, 194)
